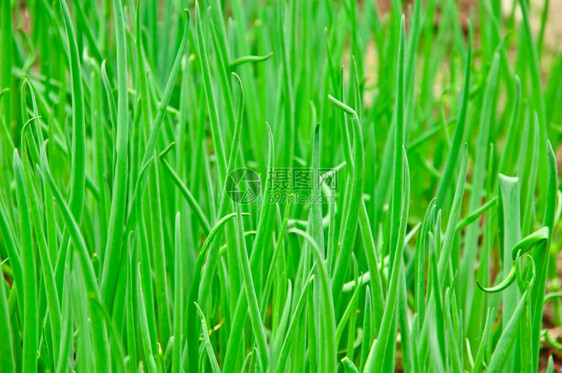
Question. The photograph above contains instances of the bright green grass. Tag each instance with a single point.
(122, 251)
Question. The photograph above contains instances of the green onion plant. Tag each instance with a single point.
(279, 186)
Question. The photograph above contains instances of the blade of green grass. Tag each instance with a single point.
(29, 288)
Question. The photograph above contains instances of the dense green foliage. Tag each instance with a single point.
(432, 249)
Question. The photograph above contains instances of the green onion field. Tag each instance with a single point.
(280, 186)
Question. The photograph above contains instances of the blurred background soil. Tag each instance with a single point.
(553, 31)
